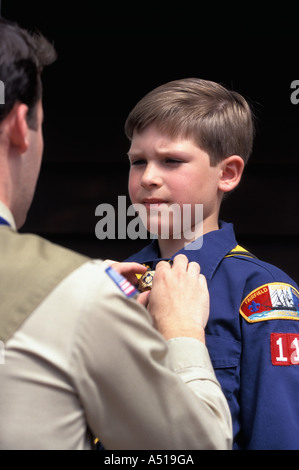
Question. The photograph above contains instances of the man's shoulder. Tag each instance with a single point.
(31, 267)
(31, 247)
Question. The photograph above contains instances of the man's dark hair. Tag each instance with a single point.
(23, 56)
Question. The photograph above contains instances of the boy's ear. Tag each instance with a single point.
(18, 127)
(231, 171)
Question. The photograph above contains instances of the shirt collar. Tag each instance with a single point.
(215, 245)
(7, 215)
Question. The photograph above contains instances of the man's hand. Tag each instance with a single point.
(179, 299)
(128, 270)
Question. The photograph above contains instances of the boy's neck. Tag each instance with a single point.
(168, 247)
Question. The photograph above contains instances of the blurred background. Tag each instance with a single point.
(108, 58)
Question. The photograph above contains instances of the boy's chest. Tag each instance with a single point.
(223, 335)
(223, 340)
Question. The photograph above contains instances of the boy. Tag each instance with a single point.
(190, 140)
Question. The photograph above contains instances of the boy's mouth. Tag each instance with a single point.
(153, 203)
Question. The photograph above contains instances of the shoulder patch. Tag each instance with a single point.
(273, 301)
(122, 283)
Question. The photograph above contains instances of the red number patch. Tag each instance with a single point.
(284, 349)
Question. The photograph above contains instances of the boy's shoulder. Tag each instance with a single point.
(268, 292)
(241, 260)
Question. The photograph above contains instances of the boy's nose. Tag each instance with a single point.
(151, 177)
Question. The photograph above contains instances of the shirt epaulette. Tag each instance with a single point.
(240, 251)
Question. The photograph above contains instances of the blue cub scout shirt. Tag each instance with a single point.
(252, 336)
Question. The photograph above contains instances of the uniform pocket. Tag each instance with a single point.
(225, 357)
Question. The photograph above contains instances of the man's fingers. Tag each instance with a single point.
(127, 269)
(202, 280)
(180, 262)
(194, 268)
(162, 265)
(143, 298)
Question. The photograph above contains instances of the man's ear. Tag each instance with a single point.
(231, 171)
(18, 127)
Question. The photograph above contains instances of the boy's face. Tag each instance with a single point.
(173, 171)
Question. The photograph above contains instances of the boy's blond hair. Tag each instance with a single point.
(218, 120)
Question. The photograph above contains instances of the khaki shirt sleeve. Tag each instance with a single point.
(138, 391)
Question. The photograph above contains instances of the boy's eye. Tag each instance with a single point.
(167, 161)
(137, 162)
(172, 161)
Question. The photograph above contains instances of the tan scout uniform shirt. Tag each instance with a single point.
(87, 362)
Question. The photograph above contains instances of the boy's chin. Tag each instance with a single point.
(165, 233)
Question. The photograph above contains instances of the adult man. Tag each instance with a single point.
(81, 356)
